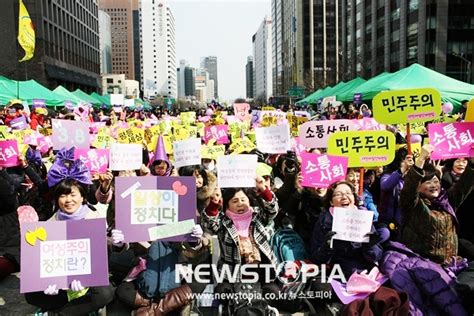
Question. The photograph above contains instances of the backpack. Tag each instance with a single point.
(288, 245)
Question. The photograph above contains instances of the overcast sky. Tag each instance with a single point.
(221, 28)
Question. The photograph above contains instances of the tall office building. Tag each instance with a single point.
(67, 43)
(124, 30)
(158, 49)
(210, 64)
(389, 35)
(189, 81)
(306, 43)
(105, 40)
(181, 81)
(262, 52)
(249, 78)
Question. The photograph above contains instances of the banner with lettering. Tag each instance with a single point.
(452, 140)
(58, 252)
(320, 171)
(151, 208)
(96, 160)
(364, 148)
(315, 134)
(67, 133)
(406, 106)
(8, 153)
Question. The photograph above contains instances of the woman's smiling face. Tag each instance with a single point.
(343, 196)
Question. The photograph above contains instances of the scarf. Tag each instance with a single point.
(81, 213)
(442, 203)
(241, 221)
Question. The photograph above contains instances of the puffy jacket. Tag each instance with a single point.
(427, 283)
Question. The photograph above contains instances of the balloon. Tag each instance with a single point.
(209, 112)
(415, 138)
(447, 107)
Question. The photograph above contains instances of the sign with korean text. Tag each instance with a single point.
(212, 151)
(59, 252)
(241, 111)
(274, 139)
(125, 156)
(295, 121)
(315, 134)
(405, 106)
(67, 133)
(102, 140)
(364, 148)
(96, 160)
(187, 152)
(451, 140)
(8, 153)
(320, 171)
(368, 124)
(469, 116)
(351, 224)
(241, 145)
(187, 118)
(217, 132)
(236, 171)
(147, 204)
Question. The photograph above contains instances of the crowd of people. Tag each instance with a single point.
(421, 238)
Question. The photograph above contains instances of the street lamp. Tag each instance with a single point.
(468, 64)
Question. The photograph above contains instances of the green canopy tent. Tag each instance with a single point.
(332, 91)
(28, 91)
(349, 86)
(314, 97)
(85, 97)
(67, 95)
(364, 88)
(103, 99)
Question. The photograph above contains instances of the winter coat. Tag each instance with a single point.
(350, 256)
(437, 240)
(427, 284)
(9, 225)
(390, 187)
(204, 193)
(229, 237)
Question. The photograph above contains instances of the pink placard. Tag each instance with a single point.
(241, 111)
(451, 140)
(43, 145)
(297, 146)
(315, 134)
(8, 153)
(69, 134)
(95, 126)
(321, 170)
(217, 132)
(96, 160)
(31, 139)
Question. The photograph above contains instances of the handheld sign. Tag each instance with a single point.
(406, 106)
(351, 224)
(236, 171)
(217, 132)
(150, 208)
(452, 140)
(469, 112)
(69, 134)
(187, 152)
(125, 156)
(241, 111)
(8, 153)
(315, 134)
(364, 148)
(320, 171)
(96, 160)
(58, 252)
(274, 139)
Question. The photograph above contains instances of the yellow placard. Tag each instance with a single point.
(168, 140)
(151, 132)
(294, 122)
(212, 152)
(102, 140)
(181, 133)
(200, 128)
(235, 128)
(19, 135)
(469, 117)
(138, 135)
(241, 145)
(165, 127)
(46, 131)
(268, 108)
(123, 136)
(363, 148)
(5, 135)
(192, 130)
(403, 106)
(187, 118)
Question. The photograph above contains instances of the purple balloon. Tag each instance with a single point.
(415, 138)
(447, 107)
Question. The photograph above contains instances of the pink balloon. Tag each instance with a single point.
(415, 138)
(447, 107)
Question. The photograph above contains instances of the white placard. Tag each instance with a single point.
(236, 171)
(352, 224)
(125, 156)
(129, 103)
(171, 230)
(117, 99)
(65, 258)
(274, 139)
(187, 152)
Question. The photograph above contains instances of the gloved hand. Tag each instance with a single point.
(51, 290)
(117, 238)
(197, 232)
(374, 238)
(328, 240)
(76, 286)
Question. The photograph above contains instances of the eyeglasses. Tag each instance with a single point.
(340, 194)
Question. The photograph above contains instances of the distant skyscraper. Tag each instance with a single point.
(105, 42)
(210, 64)
(249, 77)
(158, 49)
(181, 81)
(124, 30)
(262, 52)
(189, 81)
